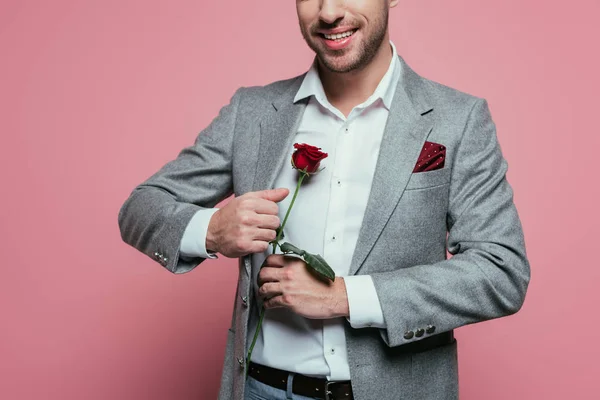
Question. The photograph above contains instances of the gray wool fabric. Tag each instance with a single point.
(411, 220)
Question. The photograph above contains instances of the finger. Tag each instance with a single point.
(267, 274)
(271, 194)
(259, 246)
(274, 302)
(265, 207)
(268, 221)
(275, 260)
(270, 289)
(264, 234)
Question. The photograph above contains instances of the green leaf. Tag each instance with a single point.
(290, 248)
(280, 233)
(319, 265)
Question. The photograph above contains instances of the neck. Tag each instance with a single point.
(345, 90)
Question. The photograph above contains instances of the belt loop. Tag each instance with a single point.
(290, 381)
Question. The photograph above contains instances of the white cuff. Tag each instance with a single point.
(193, 241)
(363, 302)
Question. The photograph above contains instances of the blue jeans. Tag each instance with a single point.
(256, 390)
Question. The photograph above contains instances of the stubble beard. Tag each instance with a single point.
(364, 55)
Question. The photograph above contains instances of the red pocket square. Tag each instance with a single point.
(432, 157)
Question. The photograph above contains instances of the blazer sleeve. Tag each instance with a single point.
(488, 273)
(154, 217)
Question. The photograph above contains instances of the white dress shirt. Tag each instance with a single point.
(326, 220)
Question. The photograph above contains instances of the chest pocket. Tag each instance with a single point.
(423, 180)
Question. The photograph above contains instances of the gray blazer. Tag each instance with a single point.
(411, 221)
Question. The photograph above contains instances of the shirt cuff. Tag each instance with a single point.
(193, 241)
(363, 302)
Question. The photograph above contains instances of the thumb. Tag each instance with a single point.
(275, 195)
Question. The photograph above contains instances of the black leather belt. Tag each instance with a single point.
(321, 388)
(302, 385)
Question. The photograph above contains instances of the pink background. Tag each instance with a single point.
(96, 96)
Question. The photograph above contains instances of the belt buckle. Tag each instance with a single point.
(327, 391)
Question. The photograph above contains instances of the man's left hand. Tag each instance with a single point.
(286, 281)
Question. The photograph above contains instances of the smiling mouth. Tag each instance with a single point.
(339, 36)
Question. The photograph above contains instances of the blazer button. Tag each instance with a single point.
(430, 329)
(409, 335)
(245, 300)
(240, 361)
(420, 332)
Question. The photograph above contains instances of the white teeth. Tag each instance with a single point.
(338, 35)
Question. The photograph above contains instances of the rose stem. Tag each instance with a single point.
(302, 175)
(262, 308)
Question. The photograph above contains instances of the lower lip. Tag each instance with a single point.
(338, 44)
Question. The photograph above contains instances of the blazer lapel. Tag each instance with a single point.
(409, 123)
(277, 131)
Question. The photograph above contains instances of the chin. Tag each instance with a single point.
(342, 64)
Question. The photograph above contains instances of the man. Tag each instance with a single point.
(414, 169)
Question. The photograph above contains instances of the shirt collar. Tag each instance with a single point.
(312, 86)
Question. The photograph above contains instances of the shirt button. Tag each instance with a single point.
(333, 238)
(332, 351)
(339, 183)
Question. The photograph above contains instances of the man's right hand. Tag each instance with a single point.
(246, 224)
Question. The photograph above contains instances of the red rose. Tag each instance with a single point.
(307, 157)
